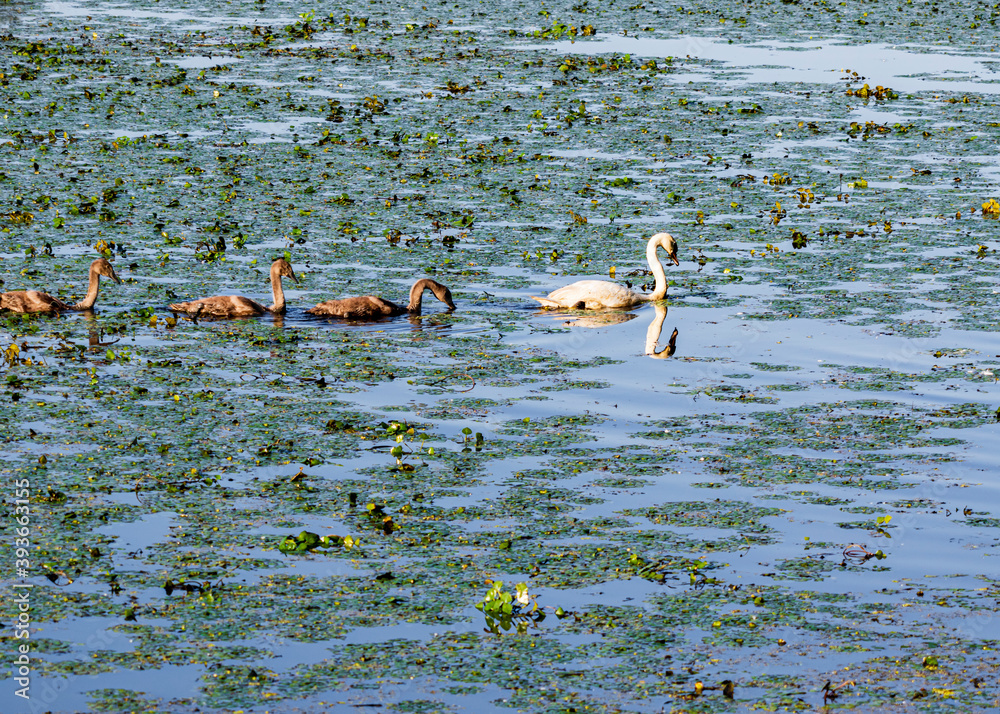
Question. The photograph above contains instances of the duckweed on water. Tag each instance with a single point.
(834, 301)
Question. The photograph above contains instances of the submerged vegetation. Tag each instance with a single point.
(496, 508)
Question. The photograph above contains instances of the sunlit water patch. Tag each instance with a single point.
(907, 68)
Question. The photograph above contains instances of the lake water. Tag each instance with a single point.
(784, 476)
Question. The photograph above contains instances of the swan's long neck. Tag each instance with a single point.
(279, 294)
(656, 266)
(417, 296)
(95, 283)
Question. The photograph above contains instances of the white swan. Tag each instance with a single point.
(602, 294)
(34, 301)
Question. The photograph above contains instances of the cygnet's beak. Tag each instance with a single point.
(114, 276)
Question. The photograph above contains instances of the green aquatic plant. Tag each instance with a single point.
(405, 437)
(307, 541)
(507, 610)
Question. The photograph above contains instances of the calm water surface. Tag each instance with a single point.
(691, 515)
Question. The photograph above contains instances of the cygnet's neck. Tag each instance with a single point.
(277, 291)
(92, 289)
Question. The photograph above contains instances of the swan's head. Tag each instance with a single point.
(446, 299)
(667, 242)
(283, 268)
(101, 266)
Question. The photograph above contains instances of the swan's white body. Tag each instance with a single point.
(605, 295)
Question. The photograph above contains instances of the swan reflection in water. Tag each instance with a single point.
(597, 320)
(97, 340)
(653, 335)
(605, 319)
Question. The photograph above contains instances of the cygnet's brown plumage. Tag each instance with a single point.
(237, 305)
(370, 307)
(34, 301)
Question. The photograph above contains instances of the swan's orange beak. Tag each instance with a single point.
(673, 256)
